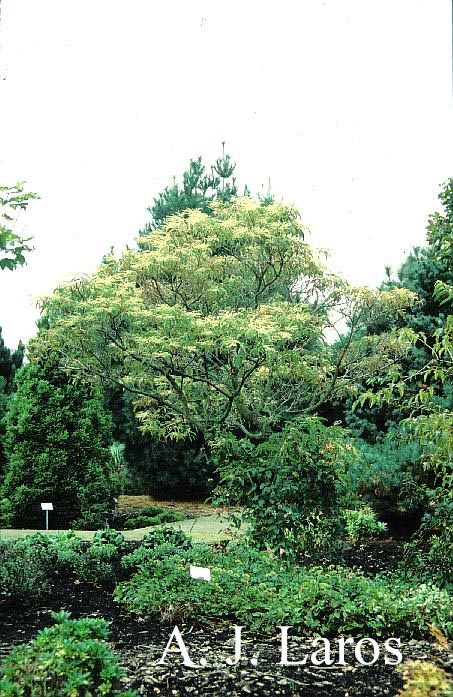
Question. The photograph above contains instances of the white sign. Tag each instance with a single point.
(200, 572)
(47, 506)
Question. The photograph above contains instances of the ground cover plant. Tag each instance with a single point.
(22, 577)
(29, 563)
(248, 586)
(264, 592)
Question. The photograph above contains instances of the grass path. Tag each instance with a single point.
(207, 528)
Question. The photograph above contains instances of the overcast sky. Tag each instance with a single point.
(345, 104)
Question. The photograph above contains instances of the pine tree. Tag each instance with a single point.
(198, 189)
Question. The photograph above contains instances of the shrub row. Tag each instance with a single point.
(248, 586)
(27, 565)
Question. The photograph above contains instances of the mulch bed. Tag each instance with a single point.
(140, 645)
(134, 505)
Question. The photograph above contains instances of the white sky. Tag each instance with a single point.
(345, 104)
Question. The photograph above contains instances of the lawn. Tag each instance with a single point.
(207, 528)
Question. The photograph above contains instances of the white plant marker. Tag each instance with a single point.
(200, 572)
(47, 507)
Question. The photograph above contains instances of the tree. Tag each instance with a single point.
(389, 469)
(198, 189)
(162, 469)
(430, 426)
(13, 247)
(169, 469)
(424, 267)
(219, 324)
(419, 273)
(157, 468)
(10, 362)
(57, 439)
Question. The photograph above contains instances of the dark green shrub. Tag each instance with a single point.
(70, 658)
(150, 510)
(140, 521)
(291, 486)
(97, 564)
(22, 575)
(170, 470)
(144, 521)
(10, 362)
(171, 516)
(58, 553)
(93, 518)
(164, 470)
(57, 438)
(382, 472)
(432, 431)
